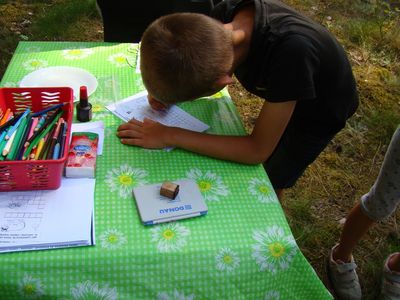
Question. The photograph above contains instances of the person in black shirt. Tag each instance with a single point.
(296, 65)
(125, 21)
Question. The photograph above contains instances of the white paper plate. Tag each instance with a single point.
(59, 77)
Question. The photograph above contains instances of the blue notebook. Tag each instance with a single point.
(154, 208)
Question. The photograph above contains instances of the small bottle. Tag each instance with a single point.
(83, 108)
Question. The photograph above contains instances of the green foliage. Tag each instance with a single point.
(382, 125)
(57, 19)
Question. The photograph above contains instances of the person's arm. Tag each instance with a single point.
(252, 149)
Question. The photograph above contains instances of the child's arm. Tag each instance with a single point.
(252, 149)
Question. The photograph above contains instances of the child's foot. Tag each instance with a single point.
(343, 278)
(390, 281)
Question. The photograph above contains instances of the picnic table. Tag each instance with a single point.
(242, 249)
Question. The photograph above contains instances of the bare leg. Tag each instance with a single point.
(394, 263)
(355, 227)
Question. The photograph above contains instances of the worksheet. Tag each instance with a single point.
(43, 219)
(137, 107)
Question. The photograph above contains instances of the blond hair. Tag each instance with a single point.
(183, 55)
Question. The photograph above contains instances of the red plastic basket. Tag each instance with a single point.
(38, 174)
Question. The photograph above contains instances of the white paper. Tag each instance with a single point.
(137, 107)
(48, 219)
(95, 127)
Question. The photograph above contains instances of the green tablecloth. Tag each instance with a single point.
(243, 248)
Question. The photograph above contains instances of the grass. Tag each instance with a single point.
(370, 32)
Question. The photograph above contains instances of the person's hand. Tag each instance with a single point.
(155, 104)
(147, 134)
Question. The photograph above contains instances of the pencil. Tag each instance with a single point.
(15, 126)
(46, 145)
(54, 139)
(11, 121)
(17, 139)
(56, 151)
(49, 120)
(40, 123)
(5, 116)
(20, 149)
(39, 148)
(35, 121)
(63, 136)
(42, 133)
(48, 109)
(9, 142)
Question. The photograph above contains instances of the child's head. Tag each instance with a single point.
(183, 55)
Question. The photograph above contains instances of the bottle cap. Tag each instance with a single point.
(83, 96)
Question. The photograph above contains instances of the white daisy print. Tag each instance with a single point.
(77, 53)
(119, 60)
(124, 178)
(227, 260)
(99, 111)
(210, 184)
(169, 237)
(176, 295)
(112, 239)
(88, 290)
(34, 64)
(272, 295)
(274, 250)
(263, 190)
(30, 288)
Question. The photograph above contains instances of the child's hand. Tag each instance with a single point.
(155, 104)
(147, 134)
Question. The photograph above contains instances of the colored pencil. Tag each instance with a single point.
(20, 150)
(56, 151)
(15, 126)
(39, 148)
(19, 133)
(41, 122)
(54, 139)
(8, 145)
(48, 109)
(49, 120)
(5, 116)
(42, 133)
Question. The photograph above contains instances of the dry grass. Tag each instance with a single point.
(344, 171)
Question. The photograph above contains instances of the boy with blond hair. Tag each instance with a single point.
(276, 53)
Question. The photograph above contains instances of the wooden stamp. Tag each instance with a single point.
(169, 189)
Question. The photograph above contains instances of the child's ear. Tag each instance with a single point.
(224, 80)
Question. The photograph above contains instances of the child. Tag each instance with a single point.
(296, 65)
(379, 203)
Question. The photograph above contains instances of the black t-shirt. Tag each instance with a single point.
(293, 58)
